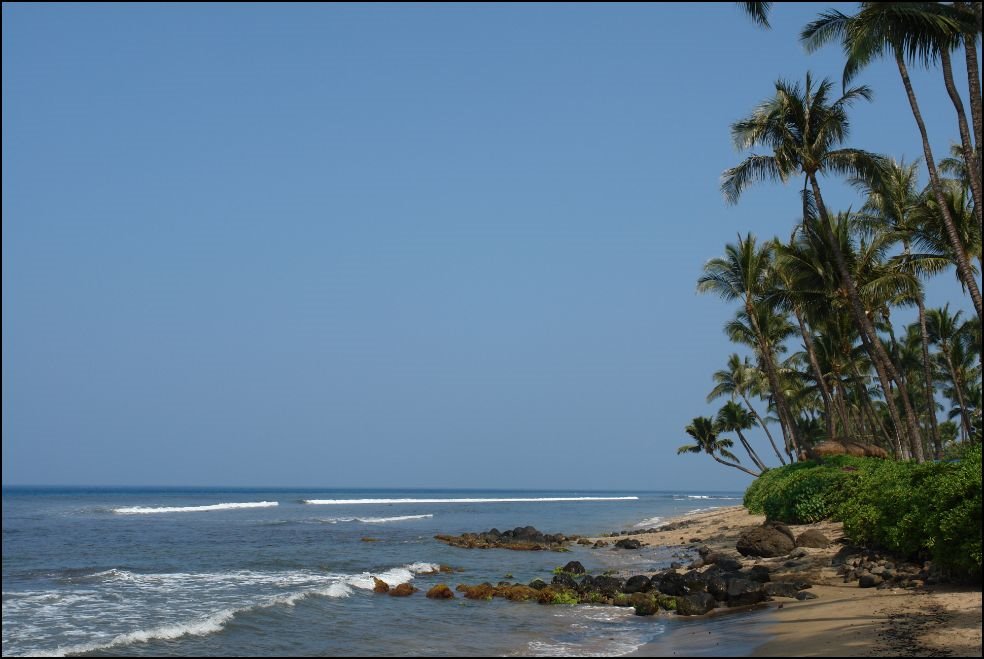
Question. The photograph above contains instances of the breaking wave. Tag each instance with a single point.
(144, 510)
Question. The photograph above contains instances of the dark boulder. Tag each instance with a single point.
(537, 584)
(806, 595)
(574, 567)
(742, 592)
(637, 584)
(380, 586)
(765, 541)
(644, 605)
(782, 528)
(564, 580)
(695, 604)
(628, 543)
(695, 581)
(812, 538)
(759, 573)
(723, 561)
(670, 583)
(869, 580)
(608, 586)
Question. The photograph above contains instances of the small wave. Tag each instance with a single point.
(143, 510)
(310, 584)
(345, 502)
(371, 520)
(213, 623)
(652, 522)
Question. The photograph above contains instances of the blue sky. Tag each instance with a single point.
(384, 245)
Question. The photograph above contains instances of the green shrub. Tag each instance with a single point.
(923, 511)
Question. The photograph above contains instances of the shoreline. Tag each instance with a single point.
(844, 620)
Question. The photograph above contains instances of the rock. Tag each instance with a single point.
(782, 528)
(445, 568)
(799, 552)
(781, 589)
(717, 585)
(695, 604)
(608, 586)
(599, 544)
(806, 595)
(742, 592)
(759, 573)
(812, 538)
(574, 567)
(403, 590)
(764, 541)
(483, 591)
(583, 541)
(670, 583)
(723, 561)
(869, 580)
(517, 593)
(676, 565)
(694, 582)
(564, 580)
(369, 539)
(520, 538)
(537, 584)
(644, 605)
(637, 584)
(380, 586)
(628, 543)
(440, 592)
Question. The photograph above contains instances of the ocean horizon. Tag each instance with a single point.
(124, 570)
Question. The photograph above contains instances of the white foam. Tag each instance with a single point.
(384, 520)
(308, 584)
(650, 523)
(143, 510)
(346, 502)
(372, 520)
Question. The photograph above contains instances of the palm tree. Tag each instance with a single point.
(703, 431)
(742, 379)
(743, 275)
(892, 206)
(913, 31)
(944, 332)
(802, 127)
(732, 417)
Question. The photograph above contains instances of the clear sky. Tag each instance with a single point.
(370, 245)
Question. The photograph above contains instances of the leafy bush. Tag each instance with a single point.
(931, 510)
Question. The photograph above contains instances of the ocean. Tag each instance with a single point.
(125, 571)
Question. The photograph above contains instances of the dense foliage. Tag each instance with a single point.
(930, 510)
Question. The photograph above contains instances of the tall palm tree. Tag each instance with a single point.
(743, 275)
(733, 417)
(892, 207)
(803, 128)
(742, 379)
(707, 441)
(909, 31)
(944, 331)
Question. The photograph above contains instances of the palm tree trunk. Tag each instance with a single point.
(974, 84)
(765, 427)
(928, 375)
(732, 464)
(883, 365)
(869, 409)
(785, 418)
(751, 452)
(968, 149)
(960, 254)
(964, 417)
(817, 373)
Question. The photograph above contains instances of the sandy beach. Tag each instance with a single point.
(844, 620)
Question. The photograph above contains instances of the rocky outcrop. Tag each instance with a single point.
(380, 586)
(628, 543)
(766, 541)
(522, 538)
(742, 592)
